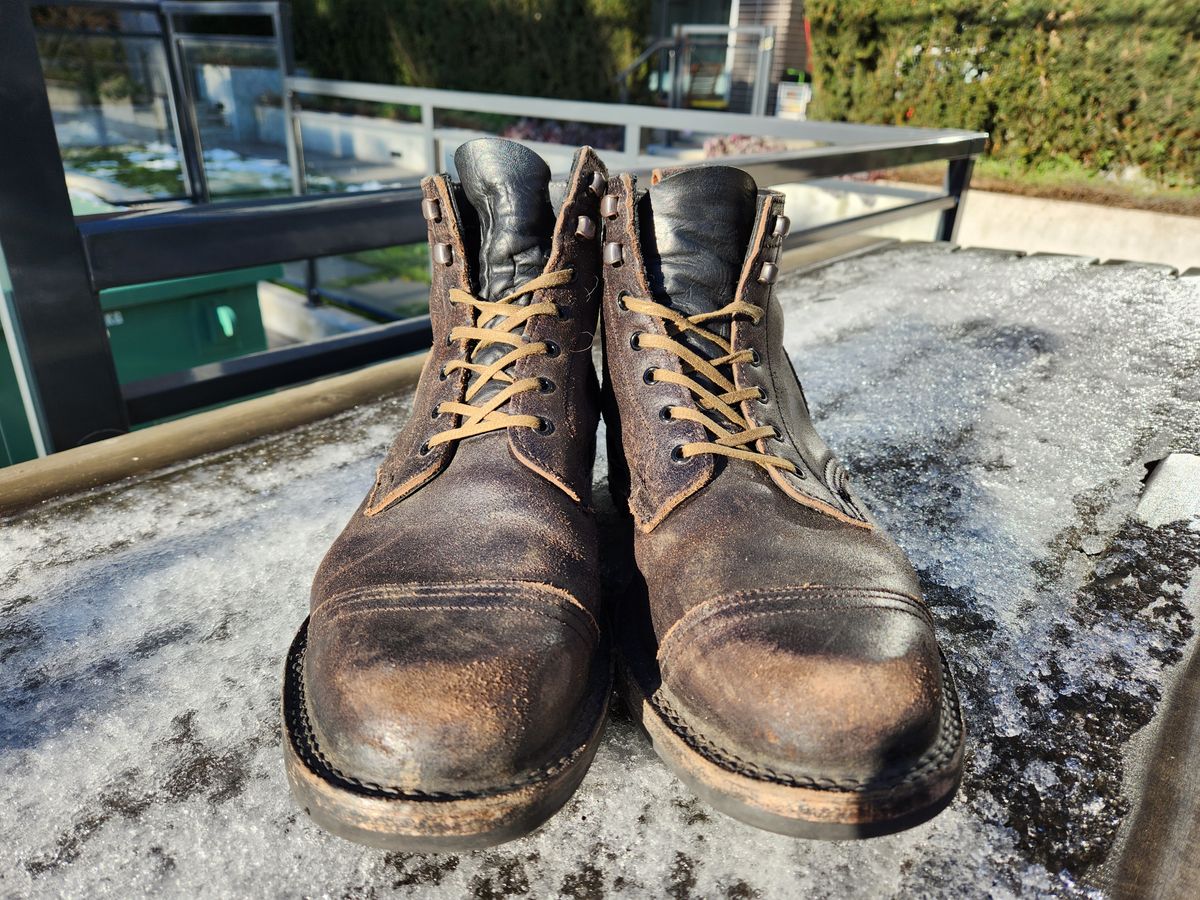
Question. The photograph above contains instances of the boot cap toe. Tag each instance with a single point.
(448, 690)
(818, 685)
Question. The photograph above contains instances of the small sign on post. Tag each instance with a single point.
(792, 99)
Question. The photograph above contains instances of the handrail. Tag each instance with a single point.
(657, 47)
(653, 117)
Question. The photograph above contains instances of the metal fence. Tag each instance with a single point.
(58, 264)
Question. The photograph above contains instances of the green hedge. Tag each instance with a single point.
(1104, 84)
(537, 48)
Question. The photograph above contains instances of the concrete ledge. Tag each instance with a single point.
(104, 462)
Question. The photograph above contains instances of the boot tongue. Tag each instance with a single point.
(700, 223)
(508, 186)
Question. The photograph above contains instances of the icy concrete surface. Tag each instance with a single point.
(998, 414)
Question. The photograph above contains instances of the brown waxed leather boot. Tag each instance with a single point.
(450, 683)
(773, 642)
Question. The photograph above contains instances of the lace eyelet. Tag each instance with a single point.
(755, 359)
(677, 453)
(574, 277)
(776, 434)
(449, 342)
(648, 375)
(665, 414)
(544, 426)
(434, 414)
(634, 342)
(762, 395)
(424, 449)
(545, 386)
(443, 374)
(565, 314)
(552, 349)
(621, 304)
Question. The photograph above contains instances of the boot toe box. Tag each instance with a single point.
(841, 687)
(449, 691)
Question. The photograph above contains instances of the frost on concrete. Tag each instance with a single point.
(997, 414)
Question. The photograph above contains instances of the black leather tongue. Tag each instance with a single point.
(508, 186)
(695, 227)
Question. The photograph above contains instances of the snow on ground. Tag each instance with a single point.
(997, 414)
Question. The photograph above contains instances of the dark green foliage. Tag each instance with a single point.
(1103, 84)
(537, 48)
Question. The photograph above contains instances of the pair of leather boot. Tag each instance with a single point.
(449, 686)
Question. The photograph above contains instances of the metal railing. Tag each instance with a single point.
(59, 264)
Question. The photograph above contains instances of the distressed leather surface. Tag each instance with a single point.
(782, 624)
(453, 634)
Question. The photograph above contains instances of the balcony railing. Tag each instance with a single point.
(59, 263)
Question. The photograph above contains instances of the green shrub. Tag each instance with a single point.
(1103, 84)
(537, 48)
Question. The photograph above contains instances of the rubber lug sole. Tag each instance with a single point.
(818, 810)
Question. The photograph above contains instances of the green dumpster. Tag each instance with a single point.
(165, 326)
(16, 440)
(156, 328)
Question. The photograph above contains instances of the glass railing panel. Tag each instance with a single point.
(109, 95)
(236, 91)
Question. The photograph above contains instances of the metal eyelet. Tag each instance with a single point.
(776, 434)
(648, 375)
(585, 228)
(424, 449)
(768, 273)
(552, 349)
(544, 426)
(677, 453)
(431, 210)
(598, 184)
(443, 374)
(762, 395)
(610, 206)
(545, 386)
(614, 254)
(665, 414)
(634, 342)
(755, 359)
(621, 304)
(443, 254)
(434, 414)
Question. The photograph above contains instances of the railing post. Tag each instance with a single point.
(431, 144)
(762, 76)
(958, 180)
(191, 148)
(633, 141)
(55, 314)
(281, 22)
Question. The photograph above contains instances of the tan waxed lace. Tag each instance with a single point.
(488, 416)
(730, 442)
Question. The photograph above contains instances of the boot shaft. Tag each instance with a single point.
(712, 243)
(492, 235)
